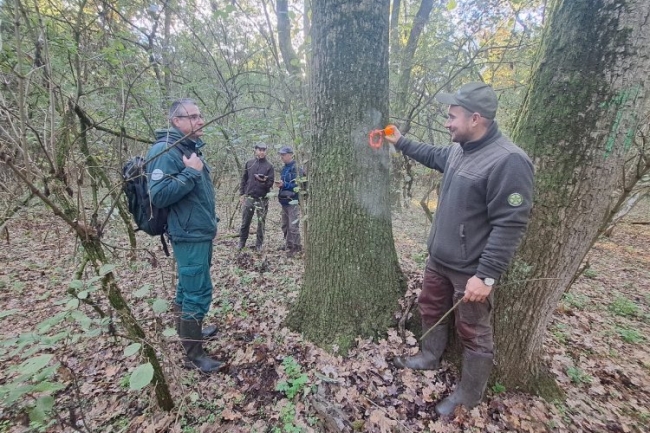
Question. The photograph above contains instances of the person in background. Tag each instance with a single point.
(483, 209)
(256, 183)
(289, 200)
(181, 181)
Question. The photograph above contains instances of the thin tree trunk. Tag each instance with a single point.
(400, 190)
(284, 37)
(625, 209)
(578, 121)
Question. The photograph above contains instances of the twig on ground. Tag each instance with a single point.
(333, 418)
(401, 326)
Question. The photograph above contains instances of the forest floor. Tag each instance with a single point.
(275, 381)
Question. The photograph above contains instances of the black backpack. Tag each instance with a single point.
(149, 218)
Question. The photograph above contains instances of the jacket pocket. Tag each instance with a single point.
(463, 242)
(191, 277)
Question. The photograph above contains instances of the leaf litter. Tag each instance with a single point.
(596, 346)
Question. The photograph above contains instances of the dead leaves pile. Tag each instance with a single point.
(359, 392)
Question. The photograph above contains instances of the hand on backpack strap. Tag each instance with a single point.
(193, 162)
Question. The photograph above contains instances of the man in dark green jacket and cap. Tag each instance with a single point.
(179, 179)
(484, 203)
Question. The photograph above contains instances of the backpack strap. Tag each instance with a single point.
(164, 244)
(178, 146)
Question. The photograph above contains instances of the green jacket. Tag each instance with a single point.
(188, 193)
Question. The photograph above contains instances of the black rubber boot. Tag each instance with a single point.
(474, 377)
(293, 250)
(428, 358)
(207, 332)
(193, 345)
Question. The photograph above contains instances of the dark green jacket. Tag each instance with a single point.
(483, 204)
(188, 193)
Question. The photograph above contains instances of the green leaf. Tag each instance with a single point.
(33, 365)
(17, 392)
(159, 306)
(132, 349)
(83, 294)
(81, 318)
(38, 414)
(46, 403)
(93, 280)
(169, 332)
(48, 386)
(141, 376)
(51, 321)
(8, 313)
(95, 332)
(142, 291)
(45, 373)
(76, 284)
(72, 304)
(105, 269)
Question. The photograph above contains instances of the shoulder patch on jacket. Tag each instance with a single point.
(157, 174)
(515, 199)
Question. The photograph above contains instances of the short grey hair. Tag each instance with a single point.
(177, 104)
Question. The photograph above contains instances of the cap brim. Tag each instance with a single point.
(447, 98)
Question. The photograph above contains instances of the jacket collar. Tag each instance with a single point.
(490, 135)
(172, 135)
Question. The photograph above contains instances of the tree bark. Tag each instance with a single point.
(586, 99)
(421, 19)
(401, 188)
(289, 57)
(352, 279)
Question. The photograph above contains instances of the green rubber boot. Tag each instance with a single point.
(474, 377)
(428, 358)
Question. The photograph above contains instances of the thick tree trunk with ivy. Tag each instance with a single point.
(352, 279)
(586, 100)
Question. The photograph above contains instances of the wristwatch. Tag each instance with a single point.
(488, 281)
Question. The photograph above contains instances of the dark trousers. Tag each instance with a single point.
(441, 289)
(291, 226)
(194, 288)
(251, 206)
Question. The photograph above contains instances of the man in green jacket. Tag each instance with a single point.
(179, 179)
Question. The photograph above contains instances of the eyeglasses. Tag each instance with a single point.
(193, 117)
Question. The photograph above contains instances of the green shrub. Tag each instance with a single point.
(624, 307)
(630, 335)
(296, 379)
(578, 376)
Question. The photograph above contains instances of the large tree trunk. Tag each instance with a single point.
(352, 279)
(579, 118)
